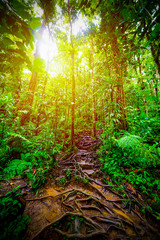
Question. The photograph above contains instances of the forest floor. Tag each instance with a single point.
(75, 203)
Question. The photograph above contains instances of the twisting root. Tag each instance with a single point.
(98, 229)
(92, 207)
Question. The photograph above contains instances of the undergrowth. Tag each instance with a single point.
(130, 160)
(12, 221)
(22, 157)
(28, 157)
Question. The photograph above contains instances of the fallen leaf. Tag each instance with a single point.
(131, 188)
(139, 196)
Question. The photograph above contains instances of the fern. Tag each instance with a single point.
(15, 167)
(129, 141)
(15, 139)
(133, 144)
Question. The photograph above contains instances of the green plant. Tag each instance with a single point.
(82, 180)
(108, 141)
(124, 165)
(56, 164)
(68, 173)
(12, 222)
(61, 181)
(129, 141)
(35, 165)
(16, 167)
(78, 178)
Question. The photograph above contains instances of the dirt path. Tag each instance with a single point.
(76, 204)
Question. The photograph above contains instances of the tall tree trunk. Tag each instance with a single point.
(93, 93)
(28, 102)
(43, 97)
(65, 114)
(73, 77)
(120, 100)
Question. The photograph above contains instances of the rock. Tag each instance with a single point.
(85, 165)
(89, 172)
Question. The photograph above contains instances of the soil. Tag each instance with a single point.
(75, 203)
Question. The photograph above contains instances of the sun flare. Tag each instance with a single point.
(47, 47)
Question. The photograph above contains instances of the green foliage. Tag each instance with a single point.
(133, 162)
(23, 157)
(16, 167)
(61, 181)
(56, 164)
(147, 127)
(15, 35)
(79, 179)
(125, 66)
(68, 173)
(133, 145)
(12, 222)
(18, 143)
(108, 141)
(129, 141)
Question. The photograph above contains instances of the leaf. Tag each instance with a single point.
(20, 9)
(20, 45)
(35, 23)
(156, 32)
(129, 141)
(38, 64)
(7, 41)
(125, 14)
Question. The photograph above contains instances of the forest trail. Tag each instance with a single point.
(76, 204)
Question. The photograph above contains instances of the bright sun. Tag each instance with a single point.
(47, 47)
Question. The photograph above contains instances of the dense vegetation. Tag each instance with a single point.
(69, 66)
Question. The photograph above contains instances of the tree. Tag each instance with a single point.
(49, 12)
(93, 90)
(16, 35)
(26, 103)
(73, 77)
(110, 27)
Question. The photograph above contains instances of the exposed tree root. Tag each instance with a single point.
(102, 195)
(67, 205)
(97, 201)
(117, 228)
(90, 213)
(98, 229)
(103, 219)
(40, 198)
(81, 236)
(84, 175)
(79, 208)
(92, 207)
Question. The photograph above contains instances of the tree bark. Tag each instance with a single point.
(73, 77)
(28, 102)
(43, 97)
(93, 93)
(120, 100)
